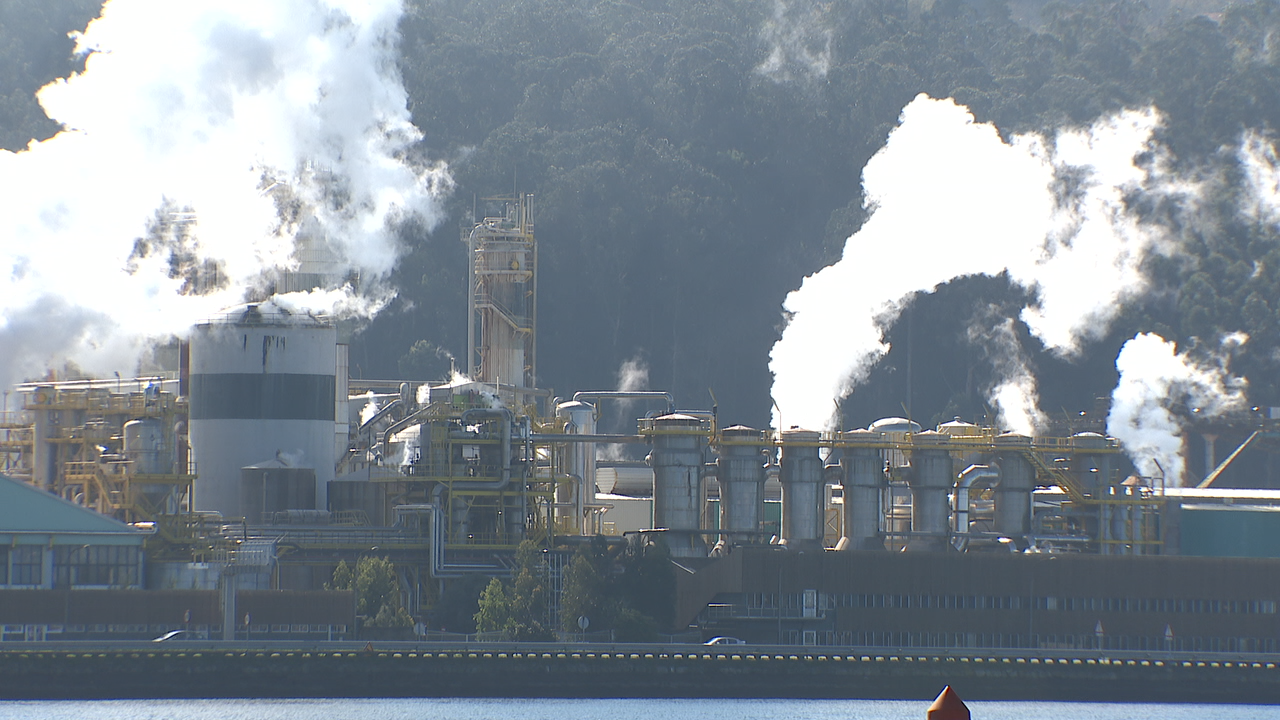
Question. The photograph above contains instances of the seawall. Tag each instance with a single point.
(395, 670)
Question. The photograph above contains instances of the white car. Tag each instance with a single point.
(176, 636)
(725, 640)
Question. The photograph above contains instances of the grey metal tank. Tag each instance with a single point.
(1092, 470)
(741, 476)
(572, 499)
(676, 459)
(864, 482)
(802, 490)
(1017, 483)
(931, 478)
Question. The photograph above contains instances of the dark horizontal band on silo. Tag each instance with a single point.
(236, 396)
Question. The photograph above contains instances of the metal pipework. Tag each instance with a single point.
(802, 490)
(676, 459)
(740, 471)
(931, 478)
(968, 477)
(624, 395)
(863, 483)
(1017, 484)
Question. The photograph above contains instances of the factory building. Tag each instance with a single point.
(259, 464)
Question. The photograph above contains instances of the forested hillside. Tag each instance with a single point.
(692, 161)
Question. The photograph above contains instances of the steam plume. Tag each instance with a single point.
(209, 143)
(948, 197)
(1260, 165)
(633, 376)
(1157, 385)
(799, 40)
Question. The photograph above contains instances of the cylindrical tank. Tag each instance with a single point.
(1092, 471)
(802, 490)
(864, 483)
(580, 462)
(931, 478)
(272, 487)
(741, 477)
(1017, 483)
(676, 459)
(144, 444)
(262, 386)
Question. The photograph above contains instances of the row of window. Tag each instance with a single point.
(73, 566)
(1015, 602)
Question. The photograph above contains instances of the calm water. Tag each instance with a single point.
(470, 709)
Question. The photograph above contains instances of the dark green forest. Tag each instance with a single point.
(692, 162)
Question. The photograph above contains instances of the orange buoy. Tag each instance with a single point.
(948, 706)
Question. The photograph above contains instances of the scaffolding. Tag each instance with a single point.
(70, 439)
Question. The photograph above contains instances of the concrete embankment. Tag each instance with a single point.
(623, 671)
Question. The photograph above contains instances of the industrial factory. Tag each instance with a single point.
(259, 464)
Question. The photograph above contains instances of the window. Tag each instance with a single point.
(27, 563)
(96, 566)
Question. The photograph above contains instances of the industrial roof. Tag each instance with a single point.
(26, 509)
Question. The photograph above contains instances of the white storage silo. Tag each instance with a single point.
(262, 387)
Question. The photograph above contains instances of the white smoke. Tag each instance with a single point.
(799, 40)
(209, 142)
(1014, 393)
(1260, 166)
(369, 409)
(633, 376)
(1158, 385)
(948, 198)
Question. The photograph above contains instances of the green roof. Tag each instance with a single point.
(25, 508)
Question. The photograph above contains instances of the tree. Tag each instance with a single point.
(377, 591)
(494, 611)
(586, 590)
(519, 610)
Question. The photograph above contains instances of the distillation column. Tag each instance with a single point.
(1092, 471)
(802, 490)
(864, 481)
(676, 459)
(573, 498)
(1017, 483)
(741, 475)
(931, 478)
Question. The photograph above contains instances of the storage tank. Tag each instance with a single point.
(262, 387)
(931, 478)
(741, 476)
(274, 487)
(1092, 471)
(864, 482)
(1017, 483)
(676, 459)
(580, 463)
(803, 498)
(144, 444)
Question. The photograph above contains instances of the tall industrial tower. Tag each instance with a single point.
(502, 281)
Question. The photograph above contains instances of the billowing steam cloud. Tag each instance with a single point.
(948, 197)
(209, 143)
(1157, 384)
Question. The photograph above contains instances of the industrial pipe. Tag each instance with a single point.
(971, 474)
(621, 395)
